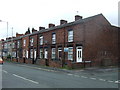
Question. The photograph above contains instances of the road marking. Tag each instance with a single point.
(102, 79)
(117, 81)
(93, 78)
(4, 71)
(25, 79)
(76, 75)
(84, 77)
(111, 81)
(70, 74)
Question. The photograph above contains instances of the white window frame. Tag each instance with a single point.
(53, 53)
(18, 44)
(41, 53)
(53, 38)
(41, 40)
(70, 53)
(24, 42)
(70, 36)
(31, 53)
(31, 41)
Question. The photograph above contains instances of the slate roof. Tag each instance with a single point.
(59, 26)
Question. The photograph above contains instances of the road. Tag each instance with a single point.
(30, 76)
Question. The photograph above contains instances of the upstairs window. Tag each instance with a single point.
(24, 42)
(53, 38)
(13, 45)
(18, 44)
(31, 42)
(41, 40)
(70, 36)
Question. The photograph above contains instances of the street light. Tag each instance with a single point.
(7, 34)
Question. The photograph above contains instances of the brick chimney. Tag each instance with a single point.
(18, 35)
(51, 25)
(63, 22)
(40, 28)
(33, 30)
(77, 17)
(2, 39)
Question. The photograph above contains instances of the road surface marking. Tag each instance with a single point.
(25, 79)
(102, 79)
(93, 78)
(70, 74)
(84, 77)
(117, 81)
(76, 75)
(4, 71)
(110, 81)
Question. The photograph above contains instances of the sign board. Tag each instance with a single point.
(66, 49)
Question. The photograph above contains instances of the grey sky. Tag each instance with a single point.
(22, 14)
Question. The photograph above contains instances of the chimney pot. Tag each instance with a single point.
(63, 22)
(40, 28)
(51, 25)
(77, 17)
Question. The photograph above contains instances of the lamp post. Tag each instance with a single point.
(7, 34)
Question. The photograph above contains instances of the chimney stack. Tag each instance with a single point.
(18, 35)
(63, 22)
(51, 25)
(77, 17)
(40, 28)
(33, 30)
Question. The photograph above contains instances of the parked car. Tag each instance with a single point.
(1, 60)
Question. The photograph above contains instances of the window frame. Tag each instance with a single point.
(70, 36)
(70, 54)
(53, 56)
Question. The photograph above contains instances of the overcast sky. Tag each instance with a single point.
(22, 14)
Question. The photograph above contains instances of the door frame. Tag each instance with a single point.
(81, 49)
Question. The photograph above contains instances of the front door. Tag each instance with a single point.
(59, 53)
(79, 54)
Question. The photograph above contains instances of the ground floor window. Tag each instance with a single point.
(70, 53)
(23, 52)
(41, 53)
(13, 54)
(26, 53)
(31, 53)
(53, 53)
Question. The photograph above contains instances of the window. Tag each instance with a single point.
(13, 54)
(53, 38)
(24, 42)
(26, 53)
(5, 46)
(13, 45)
(41, 53)
(53, 53)
(70, 36)
(23, 52)
(31, 42)
(31, 53)
(70, 53)
(41, 40)
(18, 44)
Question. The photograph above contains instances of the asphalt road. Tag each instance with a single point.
(27, 76)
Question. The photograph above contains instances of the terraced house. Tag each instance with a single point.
(91, 41)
